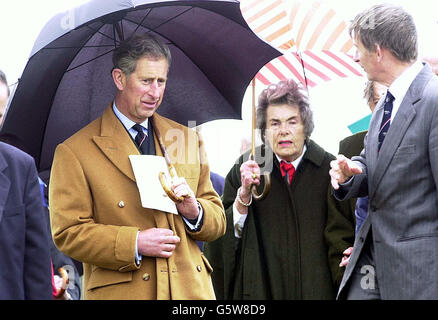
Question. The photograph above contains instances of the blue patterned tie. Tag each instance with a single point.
(140, 138)
(386, 121)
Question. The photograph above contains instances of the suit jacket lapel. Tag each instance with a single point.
(373, 136)
(393, 138)
(5, 185)
(399, 125)
(114, 141)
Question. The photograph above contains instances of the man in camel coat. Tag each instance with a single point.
(130, 252)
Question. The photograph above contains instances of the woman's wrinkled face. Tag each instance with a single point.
(285, 131)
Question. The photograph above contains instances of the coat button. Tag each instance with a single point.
(121, 204)
(146, 277)
(199, 268)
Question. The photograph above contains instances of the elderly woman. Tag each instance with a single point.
(288, 245)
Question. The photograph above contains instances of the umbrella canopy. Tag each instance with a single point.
(66, 83)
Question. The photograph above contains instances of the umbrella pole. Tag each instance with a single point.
(253, 121)
(266, 175)
(161, 175)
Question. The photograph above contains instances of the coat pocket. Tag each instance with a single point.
(404, 151)
(103, 277)
(12, 211)
(417, 237)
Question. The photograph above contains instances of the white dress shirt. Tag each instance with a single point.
(401, 85)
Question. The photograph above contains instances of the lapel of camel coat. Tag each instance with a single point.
(114, 141)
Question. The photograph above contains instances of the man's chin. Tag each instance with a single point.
(147, 113)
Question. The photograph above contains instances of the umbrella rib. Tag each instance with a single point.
(155, 28)
(114, 36)
(103, 34)
(163, 36)
(141, 22)
(100, 46)
(97, 57)
(114, 39)
(304, 71)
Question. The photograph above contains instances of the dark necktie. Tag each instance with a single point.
(140, 138)
(287, 168)
(386, 120)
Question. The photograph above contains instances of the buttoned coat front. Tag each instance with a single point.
(96, 213)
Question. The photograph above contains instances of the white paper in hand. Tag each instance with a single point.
(146, 170)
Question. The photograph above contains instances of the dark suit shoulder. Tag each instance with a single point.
(13, 155)
(317, 154)
(352, 145)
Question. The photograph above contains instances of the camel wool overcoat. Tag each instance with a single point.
(96, 213)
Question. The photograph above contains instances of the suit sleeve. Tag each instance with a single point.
(357, 186)
(433, 145)
(37, 274)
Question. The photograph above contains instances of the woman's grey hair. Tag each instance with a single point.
(390, 27)
(139, 46)
(369, 91)
(285, 92)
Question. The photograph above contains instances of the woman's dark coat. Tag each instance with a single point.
(292, 241)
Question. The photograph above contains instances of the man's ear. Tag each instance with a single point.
(379, 52)
(119, 78)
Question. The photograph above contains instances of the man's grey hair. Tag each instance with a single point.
(139, 46)
(285, 92)
(390, 27)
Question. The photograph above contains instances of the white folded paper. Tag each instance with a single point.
(146, 170)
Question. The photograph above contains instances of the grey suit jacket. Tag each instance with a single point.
(401, 182)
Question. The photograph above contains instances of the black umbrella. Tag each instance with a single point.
(66, 83)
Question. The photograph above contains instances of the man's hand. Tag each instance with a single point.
(341, 170)
(189, 206)
(157, 242)
(346, 258)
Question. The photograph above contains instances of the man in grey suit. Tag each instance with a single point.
(395, 254)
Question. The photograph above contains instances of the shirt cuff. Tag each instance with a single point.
(195, 224)
(347, 183)
(238, 221)
(138, 257)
